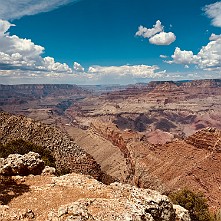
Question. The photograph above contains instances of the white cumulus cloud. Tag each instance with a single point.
(4, 26)
(22, 61)
(163, 38)
(23, 54)
(52, 66)
(213, 11)
(11, 9)
(208, 58)
(149, 32)
(77, 67)
(183, 57)
(214, 37)
(156, 35)
(135, 71)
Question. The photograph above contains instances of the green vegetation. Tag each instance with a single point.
(63, 171)
(195, 203)
(22, 147)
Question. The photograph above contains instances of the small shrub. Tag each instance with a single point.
(63, 171)
(195, 203)
(22, 147)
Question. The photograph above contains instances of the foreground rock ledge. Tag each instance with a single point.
(80, 197)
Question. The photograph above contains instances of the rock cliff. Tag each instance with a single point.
(38, 90)
(68, 155)
(208, 138)
(192, 162)
(170, 90)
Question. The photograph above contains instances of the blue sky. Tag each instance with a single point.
(109, 42)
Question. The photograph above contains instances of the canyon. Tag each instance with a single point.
(161, 135)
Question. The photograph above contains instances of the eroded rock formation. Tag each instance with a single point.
(192, 162)
(208, 138)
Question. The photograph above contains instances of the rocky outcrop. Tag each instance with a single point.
(208, 138)
(110, 210)
(156, 88)
(68, 155)
(119, 202)
(16, 164)
(80, 197)
(49, 171)
(181, 213)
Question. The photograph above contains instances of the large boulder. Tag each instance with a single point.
(16, 164)
(49, 171)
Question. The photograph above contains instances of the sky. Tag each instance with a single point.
(109, 41)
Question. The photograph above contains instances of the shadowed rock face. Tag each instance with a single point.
(68, 155)
(138, 124)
